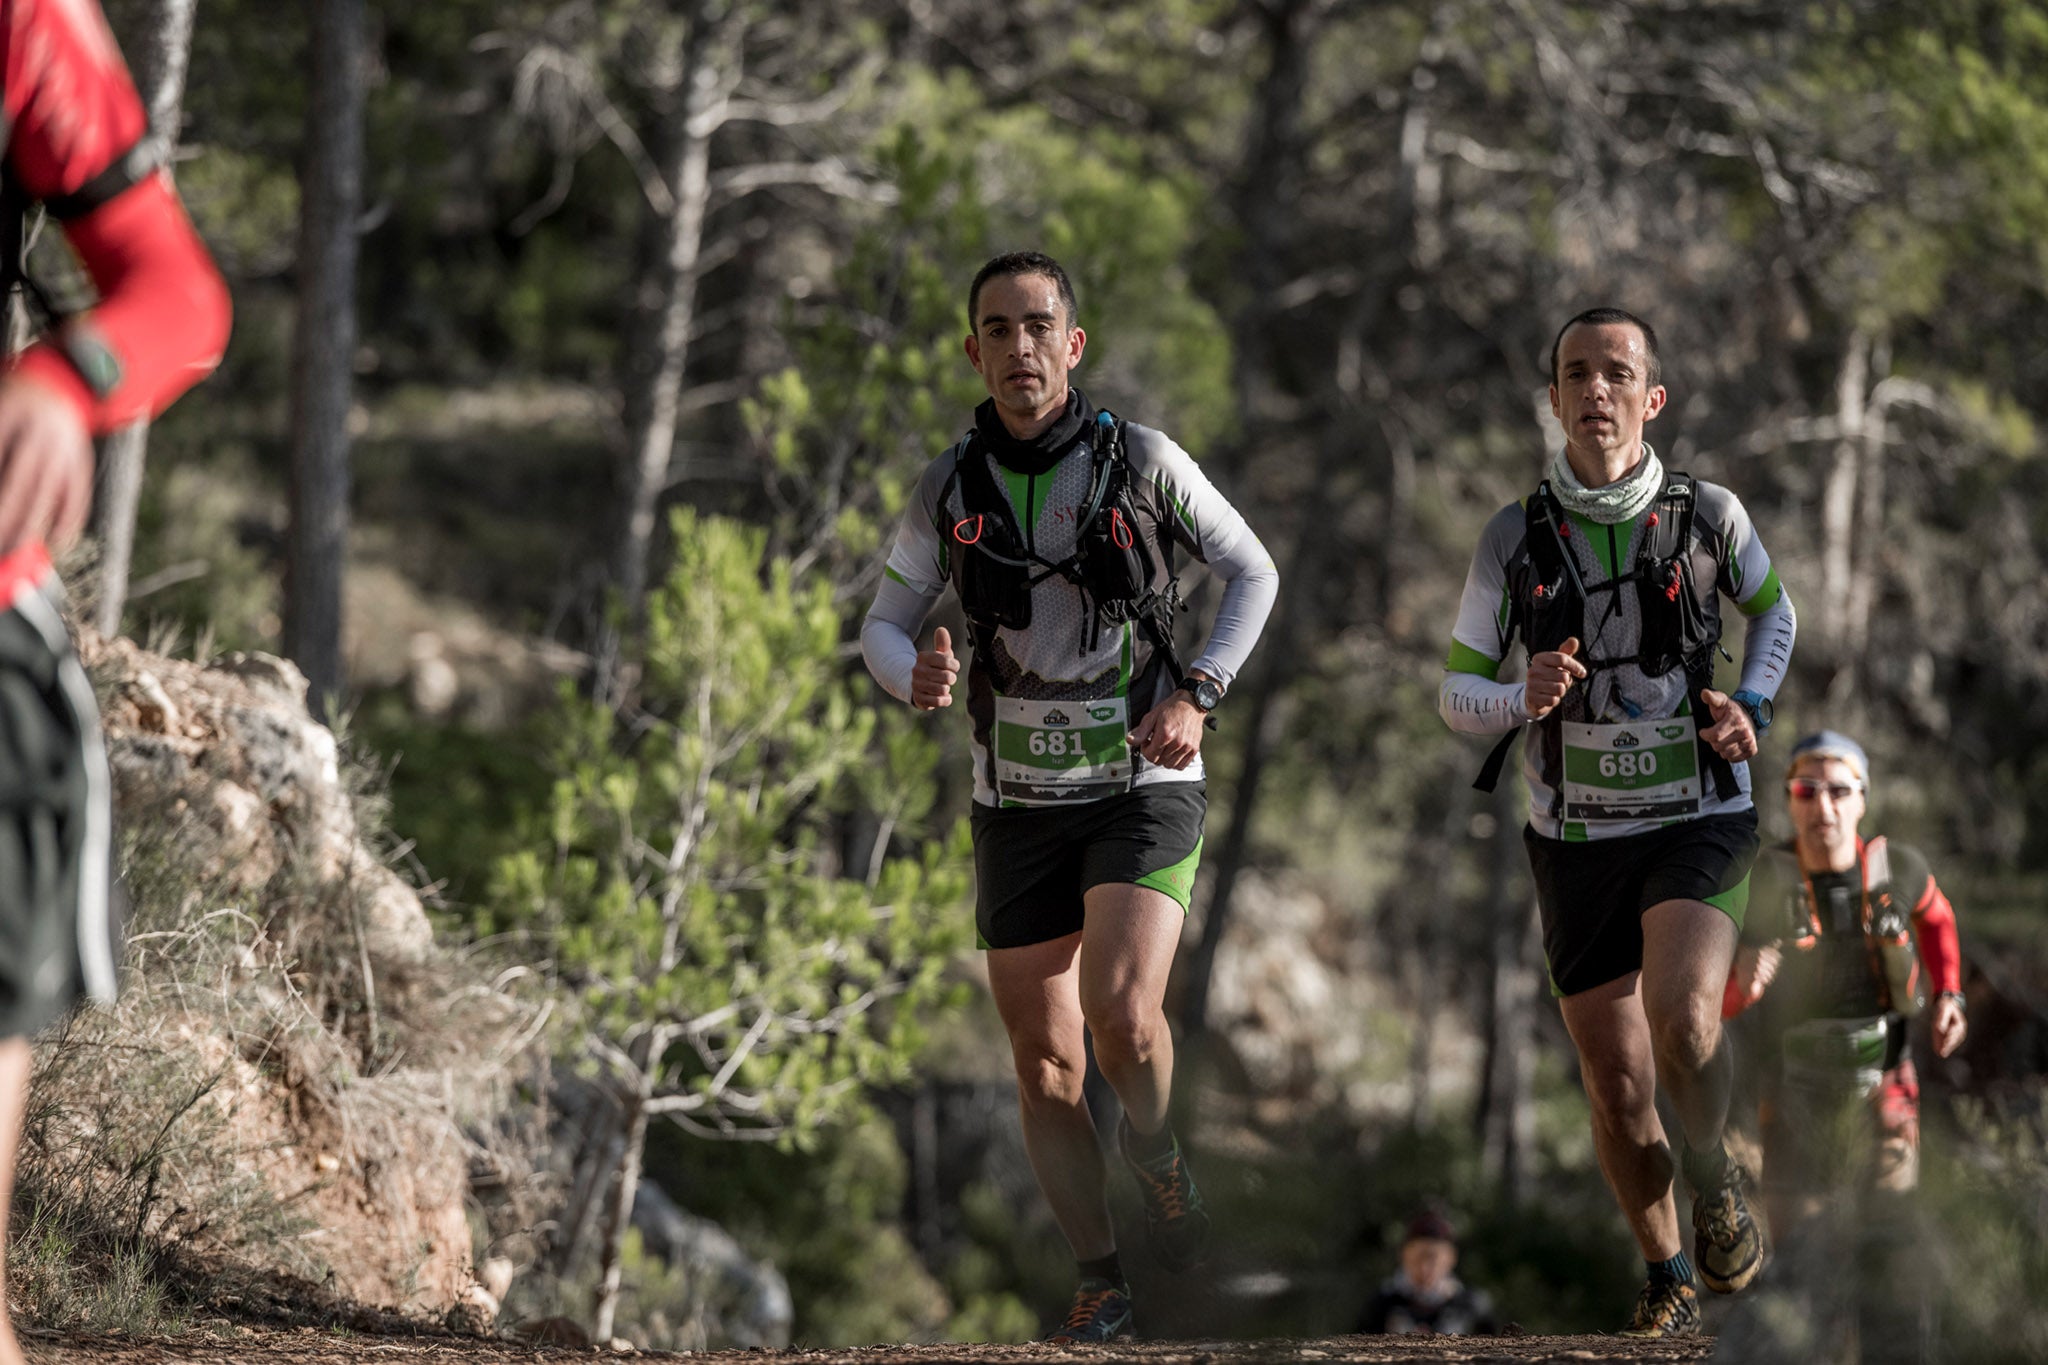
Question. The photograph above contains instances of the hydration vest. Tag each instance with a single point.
(1681, 615)
(1121, 565)
(1887, 926)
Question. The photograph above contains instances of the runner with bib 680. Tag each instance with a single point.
(1641, 829)
(1056, 523)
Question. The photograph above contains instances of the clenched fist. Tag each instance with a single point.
(933, 676)
(1551, 675)
(45, 466)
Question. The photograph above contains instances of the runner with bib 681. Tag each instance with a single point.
(1057, 523)
(1641, 828)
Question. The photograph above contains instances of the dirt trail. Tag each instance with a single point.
(313, 1346)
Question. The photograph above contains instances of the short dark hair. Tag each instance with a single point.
(1021, 263)
(1601, 317)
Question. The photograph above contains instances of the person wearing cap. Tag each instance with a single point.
(1848, 939)
(1425, 1296)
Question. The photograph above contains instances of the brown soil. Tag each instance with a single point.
(315, 1346)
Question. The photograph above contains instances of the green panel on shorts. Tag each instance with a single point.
(1177, 881)
(1734, 902)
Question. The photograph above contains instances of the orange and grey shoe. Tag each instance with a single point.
(1727, 1245)
(1176, 1223)
(1101, 1312)
(1665, 1308)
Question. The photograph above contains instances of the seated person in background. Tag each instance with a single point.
(1425, 1296)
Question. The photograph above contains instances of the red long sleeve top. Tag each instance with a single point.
(72, 113)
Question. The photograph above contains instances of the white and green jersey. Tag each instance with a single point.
(1622, 757)
(1051, 708)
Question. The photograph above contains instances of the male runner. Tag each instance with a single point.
(1641, 829)
(73, 123)
(1848, 938)
(1056, 524)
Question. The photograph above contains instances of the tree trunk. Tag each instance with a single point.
(158, 51)
(1867, 559)
(618, 1217)
(633, 1100)
(323, 347)
(1838, 503)
(671, 243)
(1262, 209)
(1265, 199)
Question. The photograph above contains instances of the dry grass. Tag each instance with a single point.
(264, 1068)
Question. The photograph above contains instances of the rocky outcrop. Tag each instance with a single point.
(232, 744)
(340, 1067)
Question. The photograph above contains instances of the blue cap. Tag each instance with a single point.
(1832, 744)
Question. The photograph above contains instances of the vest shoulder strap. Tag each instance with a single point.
(1673, 510)
(1877, 867)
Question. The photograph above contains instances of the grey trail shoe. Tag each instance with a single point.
(1176, 1223)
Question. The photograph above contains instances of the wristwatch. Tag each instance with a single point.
(1957, 996)
(1759, 708)
(1206, 692)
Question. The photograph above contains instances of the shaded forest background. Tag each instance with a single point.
(660, 301)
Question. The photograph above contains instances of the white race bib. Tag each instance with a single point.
(1049, 752)
(1638, 770)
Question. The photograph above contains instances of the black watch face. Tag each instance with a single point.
(1206, 694)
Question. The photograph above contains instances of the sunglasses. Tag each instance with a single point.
(1808, 789)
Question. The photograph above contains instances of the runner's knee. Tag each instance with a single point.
(1620, 1096)
(1688, 1034)
(1048, 1075)
(1124, 1028)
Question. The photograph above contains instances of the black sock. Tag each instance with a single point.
(1104, 1268)
(1677, 1270)
(1146, 1146)
(1705, 1170)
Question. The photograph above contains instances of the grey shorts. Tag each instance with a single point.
(59, 936)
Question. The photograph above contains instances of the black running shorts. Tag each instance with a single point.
(1593, 893)
(1033, 864)
(58, 934)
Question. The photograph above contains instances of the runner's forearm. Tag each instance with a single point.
(1473, 705)
(1934, 923)
(888, 640)
(1251, 584)
(1767, 647)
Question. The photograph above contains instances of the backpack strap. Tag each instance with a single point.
(1496, 759)
(1877, 867)
(1667, 540)
(1155, 608)
(1672, 530)
(125, 171)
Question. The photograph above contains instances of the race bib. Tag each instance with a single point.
(1049, 752)
(1640, 770)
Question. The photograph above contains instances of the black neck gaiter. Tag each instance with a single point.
(1042, 451)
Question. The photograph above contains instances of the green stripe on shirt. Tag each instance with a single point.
(1465, 659)
(888, 572)
(1764, 598)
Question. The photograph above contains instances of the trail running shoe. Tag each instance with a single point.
(1101, 1312)
(1666, 1309)
(1176, 1223)
(1727, 1245)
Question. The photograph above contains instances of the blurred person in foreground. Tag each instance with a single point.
(1425, 1297)
(1641, 827)
(1056, 523)
(74, 133)
(1848, 940)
